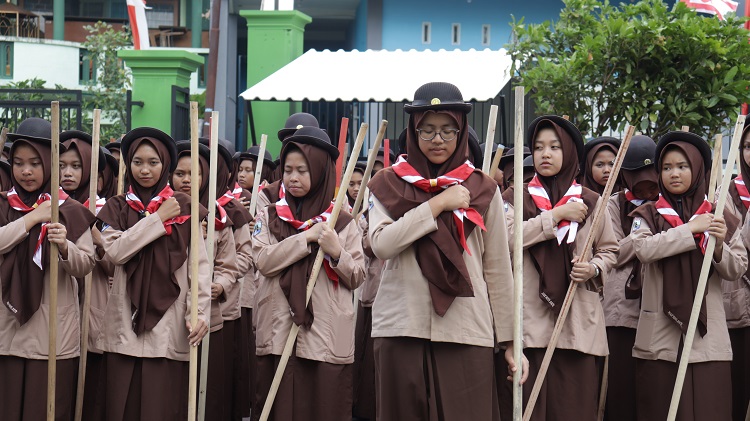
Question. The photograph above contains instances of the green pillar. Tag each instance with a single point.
(154, 72)
(274, 38)
(58, 20)
(196, 24)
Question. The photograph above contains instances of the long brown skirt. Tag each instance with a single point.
(95, 389)
(740, 372)
(235, 371)
(417, 379)
(706, 393)
(248, 362)
(146, 388)
(504, 386)
(364, 366)
(23, 389)
(216, 389)
(571, 387)
(621, 401)
(309, 390)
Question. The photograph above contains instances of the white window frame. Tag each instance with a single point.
(456, 34)
(486, 29)
(426, 32)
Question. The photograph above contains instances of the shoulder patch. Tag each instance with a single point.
(370, 202)
(258, 227)
(506, 206)
(104, 227)
(636, 224)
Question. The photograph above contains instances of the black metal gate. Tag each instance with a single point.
(180, 113)
(17, 105)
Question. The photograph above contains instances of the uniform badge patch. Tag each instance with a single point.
(636, 224)
(258, 228)
(370, 202)
(506, 207)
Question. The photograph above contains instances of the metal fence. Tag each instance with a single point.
(180, 112)
(17, 105)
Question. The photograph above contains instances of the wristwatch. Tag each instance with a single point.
(597, 272)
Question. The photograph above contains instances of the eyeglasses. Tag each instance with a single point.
(446, 134)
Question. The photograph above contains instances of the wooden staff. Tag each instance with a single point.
(258, 172)
(196, 235)
(685, 128)
(93, 181)
(54, 260)
(342, 150)
(603, 390)
(715, 167)
(340, 199)
(703, 278)
(599, 214)
(517, 251)
(489, 139)
(368, 170)
(3, 138)
(121, 174)
(210, 247)
(498, 157)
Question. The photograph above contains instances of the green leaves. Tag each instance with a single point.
(637, 63)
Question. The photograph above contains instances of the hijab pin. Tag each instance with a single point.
(435, 101)
(647, 161)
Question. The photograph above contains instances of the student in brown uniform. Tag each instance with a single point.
(5, 178)
(25, 257)
(557, 213)
(600, 159)
(669, 237)
(355, 184)
(225, 275)
(317, 384)
(148, 334)
(107, 187)
(447, 278)
(622, 291)
(295, 122)
(75, 169)
(737, 291)
(114, 148)
(506, 166)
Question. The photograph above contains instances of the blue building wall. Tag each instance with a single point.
(358, 35)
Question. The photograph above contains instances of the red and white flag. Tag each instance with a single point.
(138, 25)
(720, 8)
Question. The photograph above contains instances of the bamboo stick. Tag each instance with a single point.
(54, 260)
(93, 181)
(703, 279)
(3, 138)
(685, 128)
(715, 168)
(340, 200)
(210, 247)
(196, 235)
(121, 174)
(497, 158)
(489, 139)
(258, 172)
(599, 213)
(603, 390)
(517, 250)
(373, 155)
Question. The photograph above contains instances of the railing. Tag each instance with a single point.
(17, 105)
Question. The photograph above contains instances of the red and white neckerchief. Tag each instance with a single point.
(632, 199)
(221, 220)
(458, 175)
(17, 204)
(282, 209)
(237, 191)
(668, 213)
(742, 190)
(100, 202)
(135, 203)
(541, 200)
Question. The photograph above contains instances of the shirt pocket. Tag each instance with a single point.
(736, 303)
(645, 333)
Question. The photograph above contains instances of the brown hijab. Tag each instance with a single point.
(294, 278)
(5, 182)
(552, 260)
(439, 254)
(744, 172)
(22, 280)
(588, 177)
(225, 181)
(151, 284)
(685, 267)
(81, 194)
(109, 181)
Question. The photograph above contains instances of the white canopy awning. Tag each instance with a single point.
(383, 75)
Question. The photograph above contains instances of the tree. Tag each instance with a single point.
(113, 78)
(643, 64)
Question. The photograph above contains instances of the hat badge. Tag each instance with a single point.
(435, 101)
(647, 161)
(299, 126)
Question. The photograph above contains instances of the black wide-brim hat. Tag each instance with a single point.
(475, 149)
(640, 153)
(435, 96)
(615, 142)
(391, 155)
(113, 145)
(315, 137)
(110, 160)
(150, 132)
(5, 165)
(687, 137)
(295, 122)
(184, 146)
(33, 128)
(77, 134)
(508, 157)
(252, 153)
(225, 149)
(361, 165)
(566, 125)
(7, 146)
(528, 162)
(402, 142)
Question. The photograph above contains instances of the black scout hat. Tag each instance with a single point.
(640, 153)
(115, 145)
(315, 137)
(252, 153)
(33, 128)
(566, 125)
(226, 150)
(76, 134)
(508, 156)
(604, 139)
(688, 137)
(476, 151)
(391, 155)
(150, 132)
(295, 122)
(438, 96)
(184, 146)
